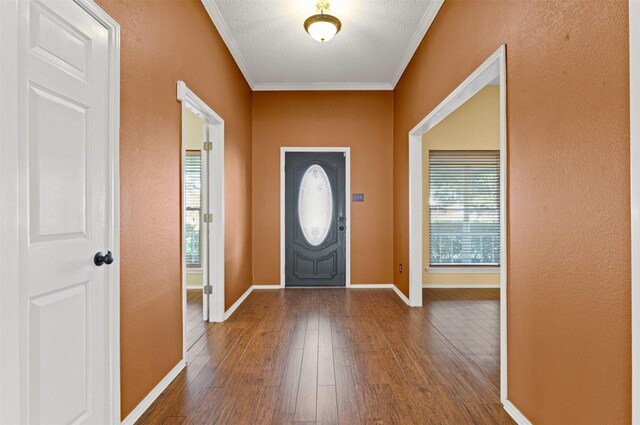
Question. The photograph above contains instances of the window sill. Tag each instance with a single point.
(194, 270)
(459, 269)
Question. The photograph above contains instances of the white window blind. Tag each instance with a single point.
(193, 194)
(464, 208)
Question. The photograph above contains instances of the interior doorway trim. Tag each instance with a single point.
(634, 109)
(347, 194)
(214, 185)
(491, 71)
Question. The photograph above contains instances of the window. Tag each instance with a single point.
(315, 205)
(464, 208)
(193, 194)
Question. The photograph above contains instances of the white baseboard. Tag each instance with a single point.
(154, 394)
(353, 285)
(515, 413)
(402, 296)
(371, 285)
(274, 286)
(236, 304)
(462, 285)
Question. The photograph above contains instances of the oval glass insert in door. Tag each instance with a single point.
(315, 205)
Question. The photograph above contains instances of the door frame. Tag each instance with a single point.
(494, 68)
(13, 407)
(634, 110)
(347, 195)
(215, 186)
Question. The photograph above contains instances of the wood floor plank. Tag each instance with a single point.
(176, 420)
(288, 389)
(265, 405)
(195, 325)
(326, 375)
(307, 389)
(327, 405)
(345, 388)
(276, 363)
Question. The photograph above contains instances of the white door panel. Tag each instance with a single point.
(58, 167)
(59, 340)
(64, 55)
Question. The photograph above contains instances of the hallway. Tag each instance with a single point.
(333, 356)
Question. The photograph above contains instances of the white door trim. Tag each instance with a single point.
(347, 194)
(12, 408)
(9, 289)
(493, 68)
(215, 185)
(634, 109)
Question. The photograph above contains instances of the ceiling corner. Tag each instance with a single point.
(323, 87)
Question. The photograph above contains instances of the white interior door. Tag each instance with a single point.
(64, 218)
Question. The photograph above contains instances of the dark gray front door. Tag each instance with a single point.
(315, 222)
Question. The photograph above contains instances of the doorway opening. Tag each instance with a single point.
(315, 214)
(195, 203)
(202, 224)
(458, 198)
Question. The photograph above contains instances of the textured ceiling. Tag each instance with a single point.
(271, 47)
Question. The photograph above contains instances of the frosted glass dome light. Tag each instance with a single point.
(322, 27)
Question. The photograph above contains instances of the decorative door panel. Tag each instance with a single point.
(59, 340)
(58, 155)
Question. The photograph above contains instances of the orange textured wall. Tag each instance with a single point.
(163, 42)
(569, 223)
(361, 120)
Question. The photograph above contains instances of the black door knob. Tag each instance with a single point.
(100, 258)
(341, 228)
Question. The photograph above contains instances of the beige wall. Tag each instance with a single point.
(475, 125)
(193, 131)
(194, 279)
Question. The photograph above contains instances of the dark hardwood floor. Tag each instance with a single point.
(327, 356)
(195, 324)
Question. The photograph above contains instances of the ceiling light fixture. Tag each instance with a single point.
(322, 27)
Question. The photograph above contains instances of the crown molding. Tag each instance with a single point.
(227, 37)
(418, 36)
(320, 86)
(229, 40)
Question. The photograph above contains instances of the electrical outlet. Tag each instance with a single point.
(400, 267)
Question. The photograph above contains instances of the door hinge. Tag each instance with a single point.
(207, 146)
(208, 218)
(208, 289)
